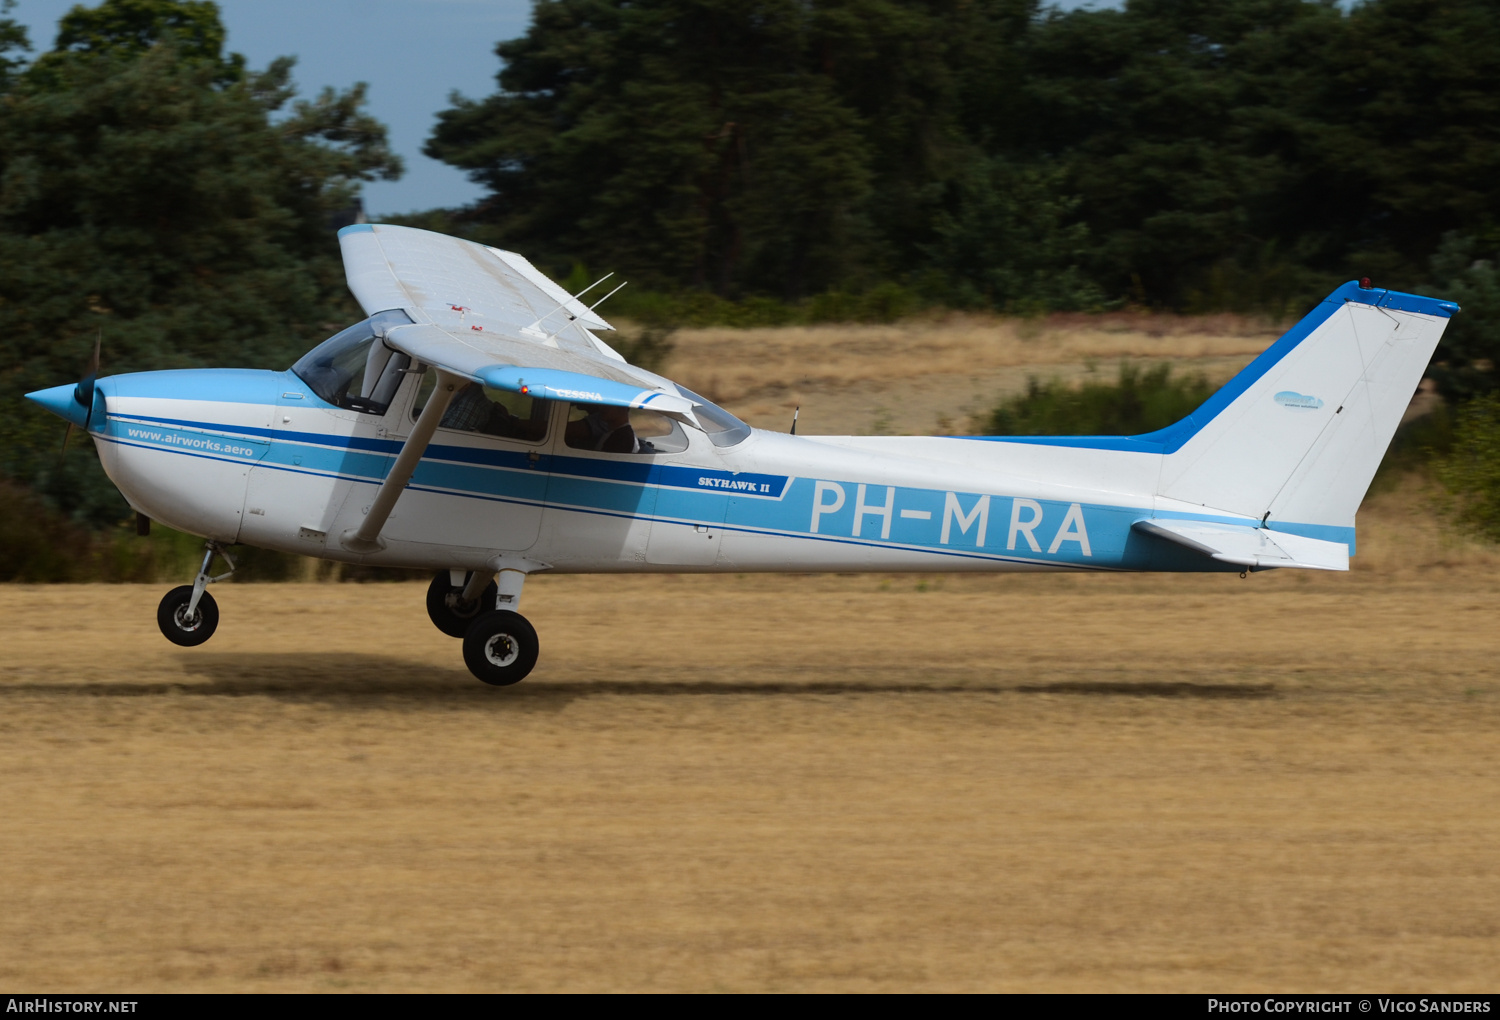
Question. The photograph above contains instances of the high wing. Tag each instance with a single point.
(489, 316)
(462, 285)
(1245, 546)
(483, 315)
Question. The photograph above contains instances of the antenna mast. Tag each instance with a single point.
(596, 304)
(571, 297)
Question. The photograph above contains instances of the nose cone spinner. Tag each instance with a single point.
(66, 401)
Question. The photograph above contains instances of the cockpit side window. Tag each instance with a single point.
(477, 408)
(353, 369)
(610, 429)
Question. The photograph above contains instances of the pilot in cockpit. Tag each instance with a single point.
(605, 428)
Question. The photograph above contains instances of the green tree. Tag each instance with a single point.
(1007, 242)
(131, 27)
(1242, 154)
(1175, 122)
(149, 195)
(1253, 152)
(13, 40)
(1467, 363)
(759, 145)
(662, 137)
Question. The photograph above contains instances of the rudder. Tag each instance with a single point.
(1296, 437)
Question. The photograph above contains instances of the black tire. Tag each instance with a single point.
(171, 617)
(453, 617)
(501, 647)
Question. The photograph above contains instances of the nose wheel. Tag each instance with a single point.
(187, 625)
(500, 647)
(188, 615)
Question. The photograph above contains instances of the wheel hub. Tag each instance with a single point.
(502, 650)
(186, 622)
(463, 610)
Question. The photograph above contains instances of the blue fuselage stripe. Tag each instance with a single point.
(957, 524)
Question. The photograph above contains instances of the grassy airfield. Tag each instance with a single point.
(927, 377)
(1062, 782)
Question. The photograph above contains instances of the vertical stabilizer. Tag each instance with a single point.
(1299, 433)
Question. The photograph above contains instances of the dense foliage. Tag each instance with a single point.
(156, 193)
(1138, 400)
(1468, 362)
(1240, 154)
(1471, 472)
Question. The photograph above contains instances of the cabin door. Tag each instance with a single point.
(483, 480)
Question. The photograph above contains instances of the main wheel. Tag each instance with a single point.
(447, 609)
(500, 647)
(180, 628)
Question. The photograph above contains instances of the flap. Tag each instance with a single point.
(1248, 546)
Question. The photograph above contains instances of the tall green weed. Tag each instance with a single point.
(1471, 472)
(1138, 400)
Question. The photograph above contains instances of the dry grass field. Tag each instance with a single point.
(856, 783)
(927, 377)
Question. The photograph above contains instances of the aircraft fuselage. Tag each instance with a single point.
(255, 457)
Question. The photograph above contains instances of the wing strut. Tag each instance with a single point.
(366, 537)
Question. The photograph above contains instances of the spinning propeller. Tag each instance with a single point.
(83, 393)
(75, 404)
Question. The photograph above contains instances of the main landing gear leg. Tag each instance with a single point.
(456, 598)
(500, 646)
(188, 614)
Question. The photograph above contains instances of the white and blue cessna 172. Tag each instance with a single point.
(475, 425)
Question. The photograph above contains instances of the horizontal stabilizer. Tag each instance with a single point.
(1248, 546)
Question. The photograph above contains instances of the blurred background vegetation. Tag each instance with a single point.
(754, 163)
(1138, 400)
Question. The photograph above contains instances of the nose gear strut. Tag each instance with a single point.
(188, 614)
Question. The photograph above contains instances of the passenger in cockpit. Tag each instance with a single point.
(473, 411)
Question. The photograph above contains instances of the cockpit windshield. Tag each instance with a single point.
(723, 428)
(354, 370)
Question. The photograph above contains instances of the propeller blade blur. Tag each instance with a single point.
(83, 393)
